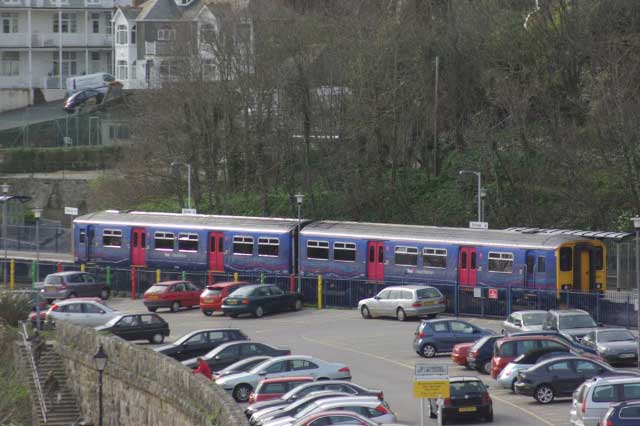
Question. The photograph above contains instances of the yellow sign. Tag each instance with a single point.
(431, 389)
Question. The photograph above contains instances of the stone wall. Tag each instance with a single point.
(140, 387)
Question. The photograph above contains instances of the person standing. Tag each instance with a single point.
(203, 368)
(52, 390)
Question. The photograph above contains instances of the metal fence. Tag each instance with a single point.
(50, 239)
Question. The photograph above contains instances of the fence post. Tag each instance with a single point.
(292, 284)
(184, 275)
(59, 267)
(12, 274)
(133, 283)
(456, 297)
(158, 275)
(508, 301)
(627, 311)
(210, 277)
(108, 277)
(33, 273)
(261, 277)
(319, 291)
(82, 268)
(597, 307)
(235, 277)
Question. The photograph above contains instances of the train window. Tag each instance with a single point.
(268, 246)
(542, 264)
(112, 238)
(242, 245)
(187, 242)
(566, 259)
(164, 240)
(501, 262)
(473, 260)
(83, 237)
(407, 256)
(530, 263)
(597, 258)
(318, 250)
(380, 254)
(372, 254)
(434, 257)
(344, 252)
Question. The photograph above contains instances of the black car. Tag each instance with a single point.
(469, 399)
(81, 98)
(569, 341)
(481, 353)
(258, 299)
(200, 342)
(145, 326)
(317, 386)
(559, 377)
(624, 413)
(229, 353)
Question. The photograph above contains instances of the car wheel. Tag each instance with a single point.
(297, 305)
(544, 394)
(502, 331)
(208, 313)
(428, 351)
(233, 315)
(258, 312)
(157, 338)
(104, 294)
(175, 306)
(486, 367)
(50, 301)
(364, 311)
(513, 385)
(489, 417)
(151, 309)
(241, 392)
(401, 315)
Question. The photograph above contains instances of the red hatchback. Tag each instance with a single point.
(173, 295)
(211, 297)
(460, 352)
(269, 389)
(507, 349)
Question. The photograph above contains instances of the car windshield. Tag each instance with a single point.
(309, 408)
(615, 336)
(113, 321)
(462, 388)
(53, 279)
(477, 345)
(157, 289)
(243, 291)
(576, 321)
(427, 293)
(534, 319)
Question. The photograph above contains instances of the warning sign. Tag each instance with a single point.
(431, 388)
(493, 293)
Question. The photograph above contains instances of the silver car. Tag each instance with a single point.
(404, 302)
(524, 321)
(69, 284)
(271, 414)
(594, 397)
(615, 345)
(82, 311)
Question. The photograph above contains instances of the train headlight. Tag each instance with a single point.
(598, 286)
(566, 287)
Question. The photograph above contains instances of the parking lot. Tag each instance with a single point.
(379, 353)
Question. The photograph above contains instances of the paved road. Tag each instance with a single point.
(378, 352)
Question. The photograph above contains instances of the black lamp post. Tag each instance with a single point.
(100, 359)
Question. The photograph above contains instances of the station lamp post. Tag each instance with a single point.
(479, 176)
(299, 198)
(636, 225)
(5, 192)
(178, 163)
(37, 212)
(100, 359)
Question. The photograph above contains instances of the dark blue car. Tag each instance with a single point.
(438, 336)
(625, 413)
(480, 354)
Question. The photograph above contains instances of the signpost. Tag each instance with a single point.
(493, 293)
(71, 211)
(477, 292)
(189, 211)
(479, 225)
(431, 381)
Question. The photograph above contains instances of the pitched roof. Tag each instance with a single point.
(159, 10)
(129, 12)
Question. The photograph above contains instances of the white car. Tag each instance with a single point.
(521, 321)
(89, 312)
(241, 384)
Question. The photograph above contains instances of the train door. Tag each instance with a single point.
(138, 247)
(375, 260)
(216, 251)
(584, 273)
(83, 248)
(467, 266)
(536, 269)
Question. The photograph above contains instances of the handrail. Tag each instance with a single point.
(36, 378)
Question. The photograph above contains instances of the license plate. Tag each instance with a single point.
(627, 355)
(208, 299)
(427, 303)
(152, 296)
(467, 409)
(52, 288)
(232, 302)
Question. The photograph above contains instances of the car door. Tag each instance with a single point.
(585, 370)
(225, 357)
(194, 346)
(442, 336)
(303, 367)
(562, 377)
(194, 292)
(93, 314)
(126, 327)
(263, 298)
(276, 369)
(76, 284)
(278, 300)
(378, 303)
(91, 287)
(462, 332)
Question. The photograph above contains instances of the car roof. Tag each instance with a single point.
(191, 333)
(530, 311)
(227, 284)
(521, 338)
(614, 380)
(330, 382)
(65, 273)
(81, 299)
(625, 403)
(408, 287)
(457, 379)
(172, 282)
(561, 312)
(565, 358)
(349, 400)
(287, 379)
(600, 330)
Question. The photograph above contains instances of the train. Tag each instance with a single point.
(375, 252)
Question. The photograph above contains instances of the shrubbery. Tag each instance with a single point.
(14, 307)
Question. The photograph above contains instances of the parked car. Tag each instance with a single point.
(65, 285)
(524, 321)
(507, 349)
(241, 384)
(240, 366)
(404, 302)
(232, 352)
(554, 333)
(303, 390)
(272, 414)
(437, 336)
(469, 399)
(84, 311)
(337, 417)
(573, 323)
(84, 97)
(559, 377)
(211, 297)
(508, 375)
(258, 299)
(592, 399)
(172, 294)
(615, 345)
(200, 342)
(460, 352)
(481, 353)
(144, 326)
(274, 388)
(622, 414)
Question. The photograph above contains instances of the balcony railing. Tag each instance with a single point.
(14, 40)
(69, 39)
(63, 4)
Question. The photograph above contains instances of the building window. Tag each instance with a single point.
(243, 245)
(121, 34)
(108, 24)
(83, 237)
(119, 132)
(344, 252)
(164, 240)
(10, 64)
(166, 34)
(168, 70)
(566, 259)
(209, 70)
(133, 34)
(94, 2)
(9, 23)
(207, 33)
(133, 71)
(95, 56)
(69, 63)
(268, 246)
(406, 256)
(187, 242)
(501, 262)
(112, 238)
(318, 250)
(122, 70)
(95, 22)
(434, 257)
(68, 24)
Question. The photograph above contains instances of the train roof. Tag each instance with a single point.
(190, 221)
(435, 234)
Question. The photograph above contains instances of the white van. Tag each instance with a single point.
(98, 81)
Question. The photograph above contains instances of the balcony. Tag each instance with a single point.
(54, 4)
(14, 40)
(70, 40)
(159, 48)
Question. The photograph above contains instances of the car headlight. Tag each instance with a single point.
(603, 349)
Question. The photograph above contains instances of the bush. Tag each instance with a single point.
(15, 400)
(14, 307)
